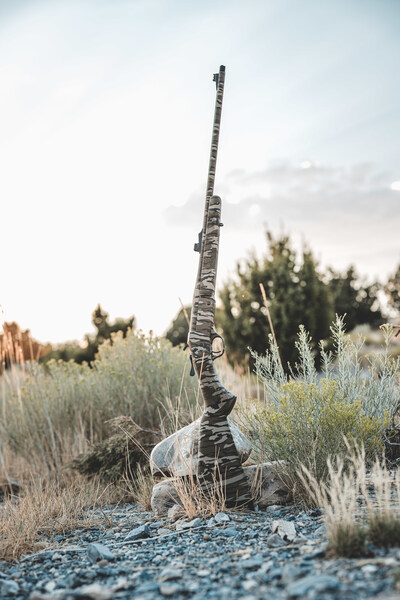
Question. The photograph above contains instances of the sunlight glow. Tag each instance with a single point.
(395, 186)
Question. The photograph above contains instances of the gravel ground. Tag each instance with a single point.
(275, 554)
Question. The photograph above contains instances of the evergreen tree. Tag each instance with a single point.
(392, 290)
(296, 295)
(358, 301)
(104, 329)
(178, 330)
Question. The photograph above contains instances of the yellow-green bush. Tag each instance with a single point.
(62, 405)
(308, 423)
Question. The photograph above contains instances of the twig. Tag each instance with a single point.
(266, 304)
(185, 312)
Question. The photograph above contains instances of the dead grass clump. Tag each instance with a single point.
(381, 493)
(30, 521)
(139, 486)
(384, 530)
(197, 503)
(338, 497)
(129, 445)
(360, 505)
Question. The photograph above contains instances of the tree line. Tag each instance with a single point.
(297, 292)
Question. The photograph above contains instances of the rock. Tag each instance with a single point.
(285, 529)
(175, 513)
(177, 455)
(97, 552)
(275, 541)
(163, 497)
(170, 574)
(95, 591)
(252, 563)
(221, 518)
(312, 583)
(189, 524)
(266, 487)
(229, 532)
(171, 589)
(9, 587)
(138, 533)
(290, 573)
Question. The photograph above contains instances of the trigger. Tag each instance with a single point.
(192, 372)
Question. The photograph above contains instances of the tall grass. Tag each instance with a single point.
(360, 504)
(50, 415)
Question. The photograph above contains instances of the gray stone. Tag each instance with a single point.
(97, 552)
(164, 496)
(275, 541)
(229, 531)
(189, 524)
(266, 487)
(221, 517)
(290, 573)
(9, 587)
(175, 513)
(252, 563)
(177, 455)
(138, 533)
(285, 529)
(171, 589)
(170, 574)
(314, 583)
(95, 591)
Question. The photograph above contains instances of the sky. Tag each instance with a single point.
(106, 111)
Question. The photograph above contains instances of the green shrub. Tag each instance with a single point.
(304, 418)
(307, 424)
(61, 406)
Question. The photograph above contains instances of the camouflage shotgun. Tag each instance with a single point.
(219, 467)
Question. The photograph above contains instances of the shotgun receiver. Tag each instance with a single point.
(219, 465)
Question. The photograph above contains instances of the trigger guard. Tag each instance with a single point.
(215, 355)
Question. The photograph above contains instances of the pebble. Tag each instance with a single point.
(96, 552)
(221, 517)
(233, 556)
(189, 524)
(312, 583)
(138, 533)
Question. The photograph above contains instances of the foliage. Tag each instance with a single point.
(306, 425)
(392, 290)
(357, 300)
(377, 388)
(104, 331)
(178, 330)
(296, 294)
(62, 405)
(303, 421)
(17, 345)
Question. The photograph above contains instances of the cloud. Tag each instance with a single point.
(346, 214)
(304, 193)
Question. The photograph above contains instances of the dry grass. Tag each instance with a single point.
(44, 509)
(139, 486)
(360, 505)
(338, 497)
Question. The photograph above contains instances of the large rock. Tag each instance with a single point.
(266, 488)
(177, 455)
(164, 496)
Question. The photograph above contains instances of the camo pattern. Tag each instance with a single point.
(219, 467)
